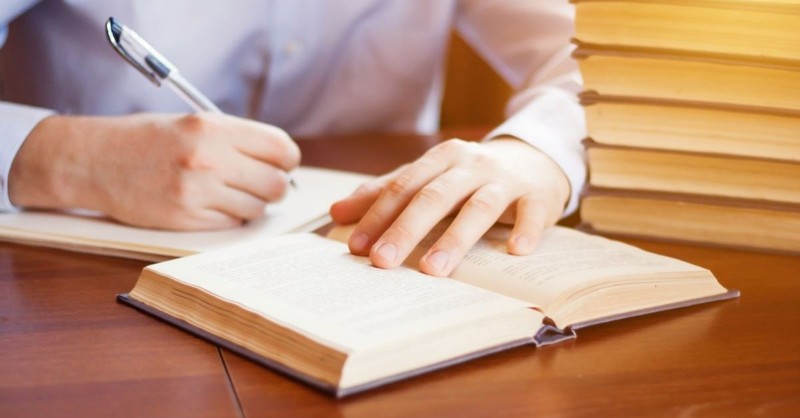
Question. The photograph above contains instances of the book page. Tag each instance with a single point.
(565, 259)
(313, 285)
(304, 209)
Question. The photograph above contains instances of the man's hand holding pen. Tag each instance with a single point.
(181, 172)
(198, 171)
(156, 68)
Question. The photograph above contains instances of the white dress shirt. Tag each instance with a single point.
(311, 67)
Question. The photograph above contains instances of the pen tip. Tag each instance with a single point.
(116, 28)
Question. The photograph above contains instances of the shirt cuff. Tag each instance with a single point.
(16, 122)
(553, 122)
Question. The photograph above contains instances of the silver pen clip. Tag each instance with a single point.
(114, 35)
(138, 53)
(156, 68)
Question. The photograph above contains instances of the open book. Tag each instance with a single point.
(300, 303)
(304, 209)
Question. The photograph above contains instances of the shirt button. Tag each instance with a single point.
(293, 48)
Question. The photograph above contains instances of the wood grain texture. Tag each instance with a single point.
(68, 349)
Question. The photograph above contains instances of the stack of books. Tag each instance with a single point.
(693, 116)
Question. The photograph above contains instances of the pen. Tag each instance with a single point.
(138, 53)
(154, 66)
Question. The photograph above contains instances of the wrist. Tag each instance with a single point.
(545, 166)
(50, 169)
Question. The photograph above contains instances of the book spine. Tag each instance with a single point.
(590, 97)
(586, 50)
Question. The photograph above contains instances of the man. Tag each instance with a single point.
(306, 67)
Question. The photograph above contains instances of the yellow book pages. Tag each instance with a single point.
(670, 126)
(758, 29)
(679, 218)
(775, 6)
(690, 78)
(710, 175)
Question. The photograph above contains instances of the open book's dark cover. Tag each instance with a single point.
(548, 334)
(551, 335)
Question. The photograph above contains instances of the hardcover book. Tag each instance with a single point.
(681, 126)
(643, 169)
(704, 79)
(303, 305)
(758, 29)
(731, 223)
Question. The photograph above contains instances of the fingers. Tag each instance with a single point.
(266, 153)
(507, 181)
(532, 215)
(235, 203)
(206, 203)
(477, 215)
(248, 155)
(431, 204)
(393, 199)
(263, 181)
(353, 207)
(206, 219)
(269, 144)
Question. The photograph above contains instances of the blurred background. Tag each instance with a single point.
(474, 95)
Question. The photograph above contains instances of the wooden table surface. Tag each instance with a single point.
(68, 349)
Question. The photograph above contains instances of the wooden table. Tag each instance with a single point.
(68, 349)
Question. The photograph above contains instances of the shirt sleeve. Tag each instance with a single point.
(528, 44)
(9, 10)
(16, 121)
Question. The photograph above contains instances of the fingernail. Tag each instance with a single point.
(438, 259)
(287, 178)
(387, 251)
(359, 242)
(522, 243)
(362, 189)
